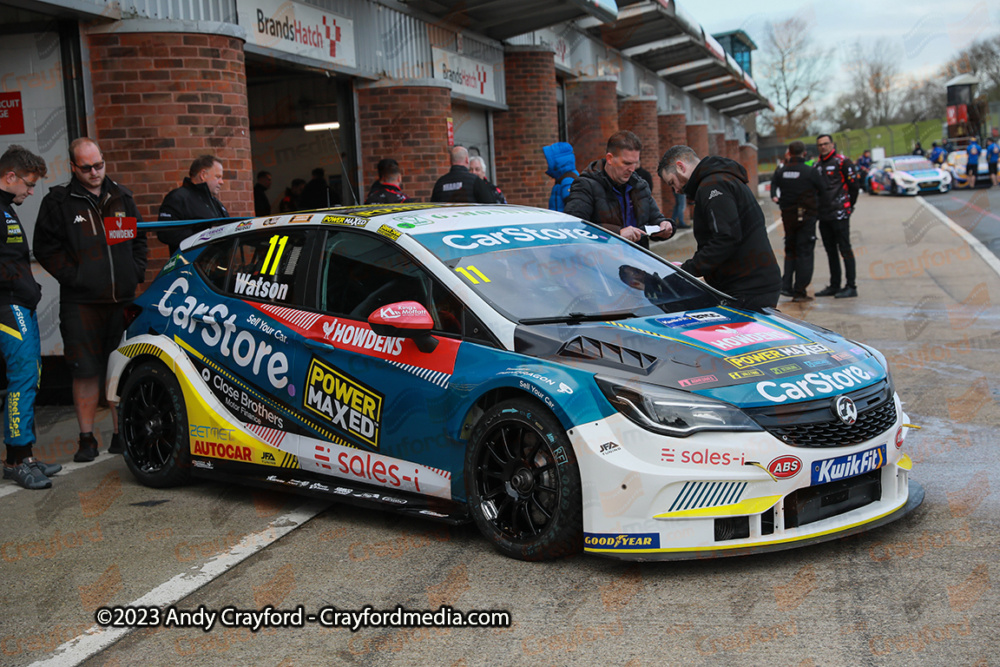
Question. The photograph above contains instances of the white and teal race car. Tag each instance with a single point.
(908, 175)
(514, 367)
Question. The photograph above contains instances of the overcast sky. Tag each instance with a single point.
(922, 34)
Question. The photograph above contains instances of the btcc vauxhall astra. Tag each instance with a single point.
(518, 368)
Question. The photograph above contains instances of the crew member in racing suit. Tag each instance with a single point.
(20, 171)
(841, 181)
(798, 189)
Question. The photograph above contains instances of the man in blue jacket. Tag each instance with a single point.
(973, 150)
(561, 167)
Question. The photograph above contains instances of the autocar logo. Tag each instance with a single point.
(784, 467)
(845, 409)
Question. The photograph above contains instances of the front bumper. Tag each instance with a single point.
(653, 497)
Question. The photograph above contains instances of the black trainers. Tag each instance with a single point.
(829, 291)
(786, 292)
(88, 448)
(27, 474)
(801, 298)
(847, 293)
(117, 445)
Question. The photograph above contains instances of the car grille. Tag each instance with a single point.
(929, 185)
(814, 424)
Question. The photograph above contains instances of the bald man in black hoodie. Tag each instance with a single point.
(734, 254)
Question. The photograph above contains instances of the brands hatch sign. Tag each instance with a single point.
(467, 76)
(298, 29)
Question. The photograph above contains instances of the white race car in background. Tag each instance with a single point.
(907, 175)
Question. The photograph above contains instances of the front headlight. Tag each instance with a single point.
(671, 411)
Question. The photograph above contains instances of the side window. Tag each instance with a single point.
(213, 263)
(268, 266)
(361, 273)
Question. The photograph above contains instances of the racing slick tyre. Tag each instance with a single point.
(523, 482)
(153, 423)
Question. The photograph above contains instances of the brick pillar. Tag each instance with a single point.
(697, 139)
(717, 143)
(673, 132)
(531, 122)
(591, 116)
(160, 101)
(638, 114)
(733, 149)
(406, 122)
(748, 158)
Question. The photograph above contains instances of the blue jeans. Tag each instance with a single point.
(680, 201)
(22, 352)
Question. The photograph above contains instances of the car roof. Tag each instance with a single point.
(393, 220)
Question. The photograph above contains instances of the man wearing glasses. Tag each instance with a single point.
(86, 237)
(20, 171)
(840, 178)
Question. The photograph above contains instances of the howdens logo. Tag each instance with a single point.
(814, 384)
(621, 541)
(343, 402)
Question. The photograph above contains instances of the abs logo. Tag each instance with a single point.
(784, 467)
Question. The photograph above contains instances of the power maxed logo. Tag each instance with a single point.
(343, 402)
(621, 541)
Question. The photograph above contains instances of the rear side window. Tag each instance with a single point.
(264, 266)
(213, 263)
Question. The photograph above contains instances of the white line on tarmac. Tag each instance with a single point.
(98, 638)
(977, 245)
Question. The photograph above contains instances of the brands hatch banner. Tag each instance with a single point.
(302, 30)
(467, 76)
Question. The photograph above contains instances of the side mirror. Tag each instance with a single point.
(405, 319)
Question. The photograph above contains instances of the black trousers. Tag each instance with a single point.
(800, 243)
(836, 235)
(758, 302)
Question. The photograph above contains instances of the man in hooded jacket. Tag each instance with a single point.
(610, 194)
(734, 254)
(561, 167)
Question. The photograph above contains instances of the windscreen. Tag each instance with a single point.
(556, 270)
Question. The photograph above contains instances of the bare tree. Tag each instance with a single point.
(982, 59)
(875, 81)
(921, 100)
(794, 72)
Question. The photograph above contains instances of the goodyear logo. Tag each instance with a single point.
(752, 373)
(621, 540)
(343, 220)
(343, 402)
(389, 232)
(776, 354)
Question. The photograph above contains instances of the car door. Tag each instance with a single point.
(377, 404)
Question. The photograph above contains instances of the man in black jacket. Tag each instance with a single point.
(460, 185)
(87, 238)
(798, 190)
(734, 254)
(840, 178)
(387, 189)
(20, 171)
(196, 199)
(610, 193)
